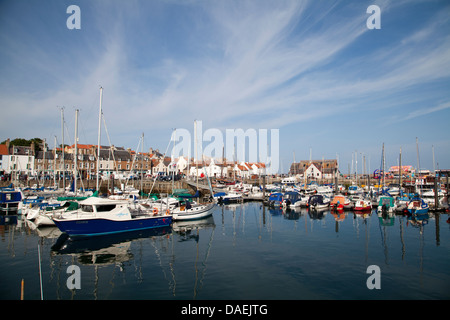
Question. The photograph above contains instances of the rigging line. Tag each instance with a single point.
(134, 160)
(158, 255)
(40, 271)
(154, 179)
(67, 132)
(110, 144)
(83, 129)
(208, 250)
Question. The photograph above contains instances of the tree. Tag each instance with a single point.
(38, 143)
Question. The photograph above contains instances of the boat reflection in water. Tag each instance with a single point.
(104, 249)
(259, 252)
(186, 232)
(123, 250)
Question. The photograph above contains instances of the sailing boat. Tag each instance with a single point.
(192, 211)
(385, 201)
(417, 206)
(187, 210)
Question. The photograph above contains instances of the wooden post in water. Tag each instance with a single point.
(22, 291)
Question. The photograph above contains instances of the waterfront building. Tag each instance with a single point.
(405, 170)
(161, 166)
(17, 160)
(4, 159)
(314, 169)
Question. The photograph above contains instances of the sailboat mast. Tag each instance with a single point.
(45, 150)
(384, 165)
(196, 150)
(99, 133)
(54, 164)
(76, 151)
(400, 169)
(418, 164)
(142, 164)
(434, 167)
(172, 160)
(62, 146)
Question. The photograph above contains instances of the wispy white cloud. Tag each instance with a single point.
(266, 64)
(427, 110)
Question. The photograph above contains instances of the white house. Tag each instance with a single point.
(4, 158)
(313, 172)
(213, 168)
(241, 171)
(21, 160)
(181, 164)
(216, 170)
(162, 167)
(255, 168)
(196, 170)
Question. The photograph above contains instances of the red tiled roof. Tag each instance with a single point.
(3, 150)
(82, 146)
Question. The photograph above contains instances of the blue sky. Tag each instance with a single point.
(311, 69)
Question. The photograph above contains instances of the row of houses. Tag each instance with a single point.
(220, 168)
(326, 169)
(23, 160)
(315, 169)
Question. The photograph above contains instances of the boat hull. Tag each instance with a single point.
(319, 206)
(43, 220)
(101, 226)
(418, 211)
(362, 205)
(366, 208)
(193, 214)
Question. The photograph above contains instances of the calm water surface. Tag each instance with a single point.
(243, 251)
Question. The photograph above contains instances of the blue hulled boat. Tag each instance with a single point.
(98, 216)
(276, 199)
(417, 206)
(10, 199)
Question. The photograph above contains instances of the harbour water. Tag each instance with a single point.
(243, 252)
